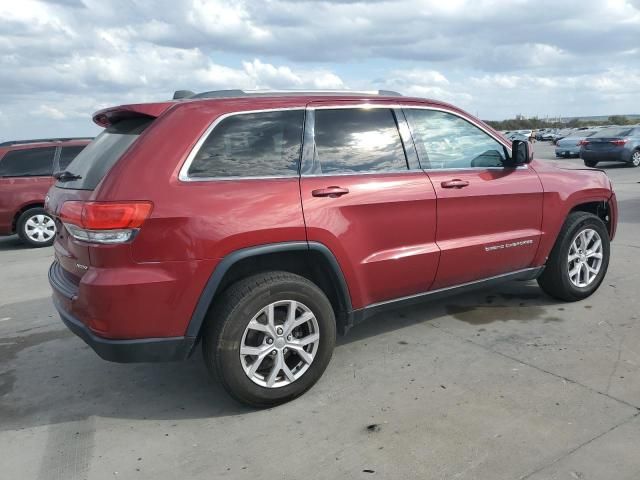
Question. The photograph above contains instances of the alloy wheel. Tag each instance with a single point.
(279, 344)
(585, 257)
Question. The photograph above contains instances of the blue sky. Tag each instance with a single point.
(60, 60)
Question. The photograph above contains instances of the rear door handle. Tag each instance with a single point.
(331, 192)
(455, 183)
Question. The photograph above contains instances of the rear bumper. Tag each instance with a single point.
(120, 350)
(567, 151)
(620, 155)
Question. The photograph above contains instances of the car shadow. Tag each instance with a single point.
(611, 165)
(49, 376)
(12, 242)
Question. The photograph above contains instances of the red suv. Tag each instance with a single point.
(26, 173)
(261, 223)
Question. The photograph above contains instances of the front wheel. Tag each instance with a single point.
(269, 338)
(590, 163)
(36, 228)
(635, 159)
(579, 259)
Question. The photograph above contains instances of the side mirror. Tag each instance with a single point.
(520, 152)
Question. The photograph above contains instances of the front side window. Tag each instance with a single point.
(32, 162)
(263, 144)
(446, 141)
(357, 140)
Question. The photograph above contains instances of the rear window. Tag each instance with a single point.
(264, 144)
(93, 163)
(612, 132)
(32, 162)
(67, 155)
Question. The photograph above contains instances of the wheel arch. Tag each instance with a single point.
(311, 260)
(21, 210)
(598, 208)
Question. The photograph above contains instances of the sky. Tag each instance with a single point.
(61, 60)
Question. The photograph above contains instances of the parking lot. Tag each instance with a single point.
(505, 383)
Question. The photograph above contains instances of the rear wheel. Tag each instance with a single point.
(579, 259)
(269, 338)
(36, 227)
(590, 163)
(635, 159)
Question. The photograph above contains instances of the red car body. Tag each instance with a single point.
(20, 193)
(394, 237)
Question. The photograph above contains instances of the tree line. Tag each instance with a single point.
(536, 123)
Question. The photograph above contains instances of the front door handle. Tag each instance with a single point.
(331, 192)
(455, 183)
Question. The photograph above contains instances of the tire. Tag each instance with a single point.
(635, 159)
(36, 228)
(556, 279)
(590, 163)
(226, 329)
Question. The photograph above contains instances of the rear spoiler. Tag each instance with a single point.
(110, 116)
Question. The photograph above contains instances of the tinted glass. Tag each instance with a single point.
(97, 158)
(264, 144)
(67, 155)
(357, 140)
(612, 132)
(444, 140)
(32, 162)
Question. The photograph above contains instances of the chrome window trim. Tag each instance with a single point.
(183, 175)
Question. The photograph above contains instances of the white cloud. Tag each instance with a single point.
(62, 59)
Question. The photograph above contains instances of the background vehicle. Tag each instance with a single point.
(614, 144)
(26, 173)
(570, 145)
(271, 221)
(560, 134)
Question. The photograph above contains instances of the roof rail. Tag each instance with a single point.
(42, 140)
(179, 94)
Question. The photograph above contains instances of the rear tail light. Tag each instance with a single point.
(620, 142)
(582, 143)
(104, 222)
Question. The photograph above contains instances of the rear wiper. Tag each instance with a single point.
(66, 176)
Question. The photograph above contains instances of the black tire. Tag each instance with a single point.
(555, 277)
(24, 230)
(635, 159)
(228, 319)
(590, 163)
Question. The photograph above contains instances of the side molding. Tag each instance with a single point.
(227, 262)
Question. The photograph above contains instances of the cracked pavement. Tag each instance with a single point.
(503, 383)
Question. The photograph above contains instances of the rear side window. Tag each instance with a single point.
(97, 158)
(32, 162)
(357, 140)
(447, 141)
(67, 155)
(264, 144)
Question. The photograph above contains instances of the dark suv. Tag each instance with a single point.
(26, 173)
(261, 224)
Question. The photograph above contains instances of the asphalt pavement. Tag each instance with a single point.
(503, 383)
